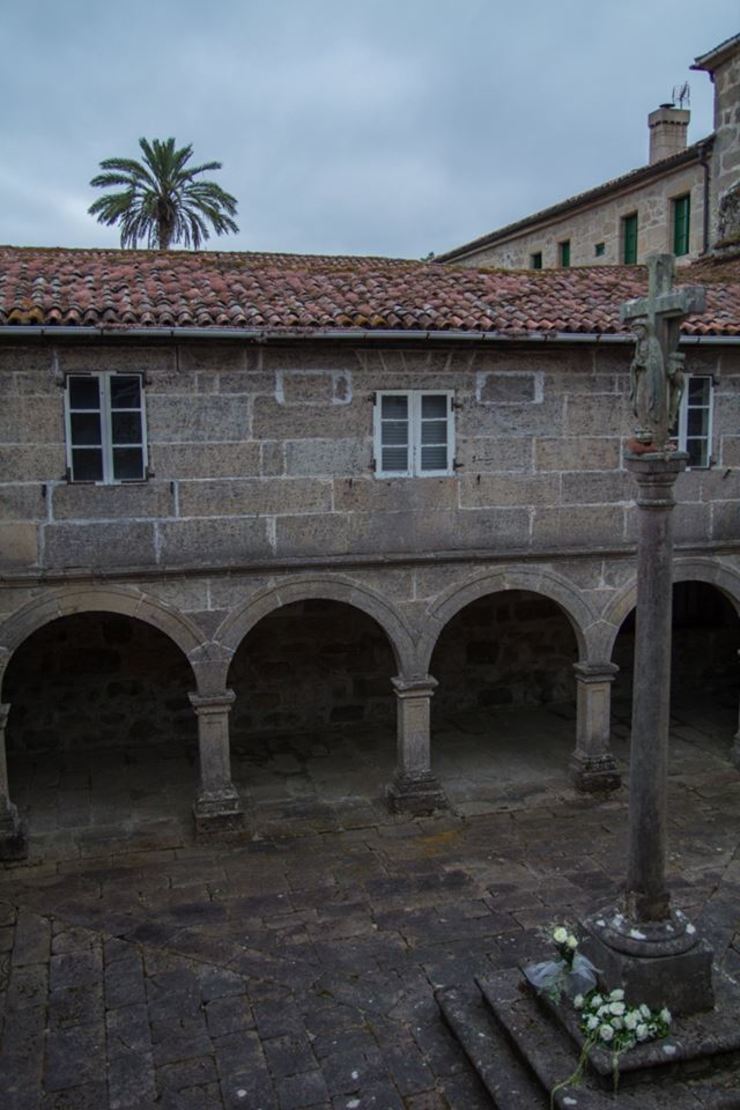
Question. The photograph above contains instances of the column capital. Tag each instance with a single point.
(595, 672)
(655, 476)
(212, 703)
(419, 686)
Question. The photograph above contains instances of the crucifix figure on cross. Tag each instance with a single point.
(656, 373)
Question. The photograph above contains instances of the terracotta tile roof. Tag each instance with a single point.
(298, 294)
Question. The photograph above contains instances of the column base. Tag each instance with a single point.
(661, 964)
(593, 774)
(420, 795)
(13, 836)
(218, 813)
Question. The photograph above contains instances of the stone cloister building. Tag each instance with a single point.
(243, 493)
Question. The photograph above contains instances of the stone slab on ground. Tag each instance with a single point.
(310, 949)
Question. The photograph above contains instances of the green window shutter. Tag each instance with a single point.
(681, 220)
(535, 261)
(629, 242)
(565, 254)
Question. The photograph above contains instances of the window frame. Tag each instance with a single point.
(536, 261)
(103, 378)
(414, 424)
(682, 435)
(600, 249)
(564, 254)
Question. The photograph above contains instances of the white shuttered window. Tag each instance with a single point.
(106, 428)
(414, 433)
(695, 420)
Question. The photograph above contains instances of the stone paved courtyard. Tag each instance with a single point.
(296, 967)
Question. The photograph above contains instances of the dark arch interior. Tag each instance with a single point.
(704, 659)
(513, 648)
(314, 701)
(97, 680)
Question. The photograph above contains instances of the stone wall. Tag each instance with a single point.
(726, 163)
(705, 645)
(98, 681)
(312, 666)
(511, 648)
(601, 222)
(264, 454)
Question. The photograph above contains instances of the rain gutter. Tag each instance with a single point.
(354, 335)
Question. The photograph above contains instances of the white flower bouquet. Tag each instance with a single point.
(605, 1020)
(571, 973)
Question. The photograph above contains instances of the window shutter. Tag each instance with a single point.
(681, 219)
(84, 418)
(394, 433)
(434, 425)
(630, 239)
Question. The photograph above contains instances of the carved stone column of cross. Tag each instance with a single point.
(592, 765)
(217, 804)
(13, 840)
(643, 945)
(414, 788)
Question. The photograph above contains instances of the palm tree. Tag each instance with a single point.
(161, 200)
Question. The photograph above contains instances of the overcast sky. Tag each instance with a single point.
(390, 127)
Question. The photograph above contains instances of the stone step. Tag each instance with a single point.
(551, 1055)
(507, 1080)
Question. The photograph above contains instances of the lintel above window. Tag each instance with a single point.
(105, 427)
(414, 433)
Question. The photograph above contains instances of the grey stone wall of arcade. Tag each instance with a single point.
(412, 602)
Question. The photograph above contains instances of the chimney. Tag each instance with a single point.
(668, 131)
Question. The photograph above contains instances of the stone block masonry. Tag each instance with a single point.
(267, 453)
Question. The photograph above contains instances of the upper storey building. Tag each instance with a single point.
(686, 200)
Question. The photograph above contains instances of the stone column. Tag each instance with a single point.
(13, 840)
(414, 788)
(217, 804)
(644, 946)
(592, 765)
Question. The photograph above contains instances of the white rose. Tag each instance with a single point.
(603, 1011)
(616, 1008)
(572, 942)
(645, 1010)
(606, 1033)
(617, 1023)
(665, 1015)
(630, 1021)
(578, 1001)
(642, 1032)
(592, 1022)
(560, 935)
(597, 1000)
(617, 995)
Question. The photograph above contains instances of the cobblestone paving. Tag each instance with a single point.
(297, 969)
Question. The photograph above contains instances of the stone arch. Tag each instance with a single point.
(102, 599)
(543, 582)
(697, 569)
(242, 620)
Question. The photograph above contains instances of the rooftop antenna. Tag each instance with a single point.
(682, 95)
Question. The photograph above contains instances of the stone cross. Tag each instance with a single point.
(644, 946)
(656, 373)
